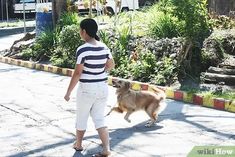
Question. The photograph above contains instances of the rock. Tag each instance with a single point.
(17, 46)
(216, 78)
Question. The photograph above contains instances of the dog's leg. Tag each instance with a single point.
(152, 112)
(152, 120)
(117, 109)
(127, 116)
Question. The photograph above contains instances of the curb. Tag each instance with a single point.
(196, 99)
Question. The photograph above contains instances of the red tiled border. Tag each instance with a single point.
(216, 103)
(198, 100)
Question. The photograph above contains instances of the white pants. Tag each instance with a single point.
(91, 100)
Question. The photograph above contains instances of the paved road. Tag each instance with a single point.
(36, 121)
(9, 35)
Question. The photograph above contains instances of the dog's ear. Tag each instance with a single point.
(127, 84)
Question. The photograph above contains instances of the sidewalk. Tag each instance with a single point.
(36, 121)
(9, 34)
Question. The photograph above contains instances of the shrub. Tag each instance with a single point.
(142, 69)
(165, 72)
(69, 41)
(165, 26)
(67, 19)
(222, 22)
(194, 14)
(46, 41)
(43, 47)
(26, 54)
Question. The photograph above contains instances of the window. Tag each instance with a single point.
(27, 1)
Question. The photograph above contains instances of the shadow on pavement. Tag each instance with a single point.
(43, 148)
(172, 111)
(121, 134)
(175, 112)
(7, 70)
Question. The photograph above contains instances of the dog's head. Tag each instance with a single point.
(121, 84)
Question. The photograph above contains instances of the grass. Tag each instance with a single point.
(9, 24)
(229, 95)
(226, 95)
(16, 23)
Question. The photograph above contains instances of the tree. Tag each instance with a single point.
(58, 8)
(194, 15)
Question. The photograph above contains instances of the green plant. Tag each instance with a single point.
(196, 27)
(142, 69)
(195, 15)
(64, 61)
(119, 47)
(222, 22)
(44, 45)
(124, 36)
(67, 19)
(105, 37)
(26, 54)
(165, 72)
(165, 26)
(65, 53)
(69, 40)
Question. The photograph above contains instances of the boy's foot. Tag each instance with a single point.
(77, 148)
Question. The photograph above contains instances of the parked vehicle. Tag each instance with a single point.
(123, 5)
(31, 5)
(84, 5)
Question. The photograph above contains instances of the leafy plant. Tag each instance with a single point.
(69, 41)
(195, 15)
(142, 69)
(67, 19)
(165, 26)
(43, 47)
(222, 22)
(165, 72)
(27, 54)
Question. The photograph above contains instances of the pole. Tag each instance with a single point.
(24, 16)
(132, 17)
(90, 9)
(7, 11)
(2, 8)
(115, 13)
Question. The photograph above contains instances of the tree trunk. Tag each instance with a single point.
(58, 7)
(90, 9)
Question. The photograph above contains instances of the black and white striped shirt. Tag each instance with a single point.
(94, 58)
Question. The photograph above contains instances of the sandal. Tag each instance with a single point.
(101, 154)
(76, 148)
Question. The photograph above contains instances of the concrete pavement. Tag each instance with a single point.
(36, 121)
(9, 35)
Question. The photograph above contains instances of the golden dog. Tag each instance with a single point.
(130, 101)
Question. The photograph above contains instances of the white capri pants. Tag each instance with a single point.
(91, 100)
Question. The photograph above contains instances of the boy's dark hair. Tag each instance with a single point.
(91, 27)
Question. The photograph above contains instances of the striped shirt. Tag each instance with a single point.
(94, 58)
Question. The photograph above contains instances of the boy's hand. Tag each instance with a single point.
(67, 97)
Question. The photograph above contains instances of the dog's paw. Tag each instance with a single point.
(148, 125)
(151, 122)
(148, 122)
(128, 120)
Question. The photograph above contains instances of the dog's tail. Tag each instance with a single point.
(117, 109)
(159, 92)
